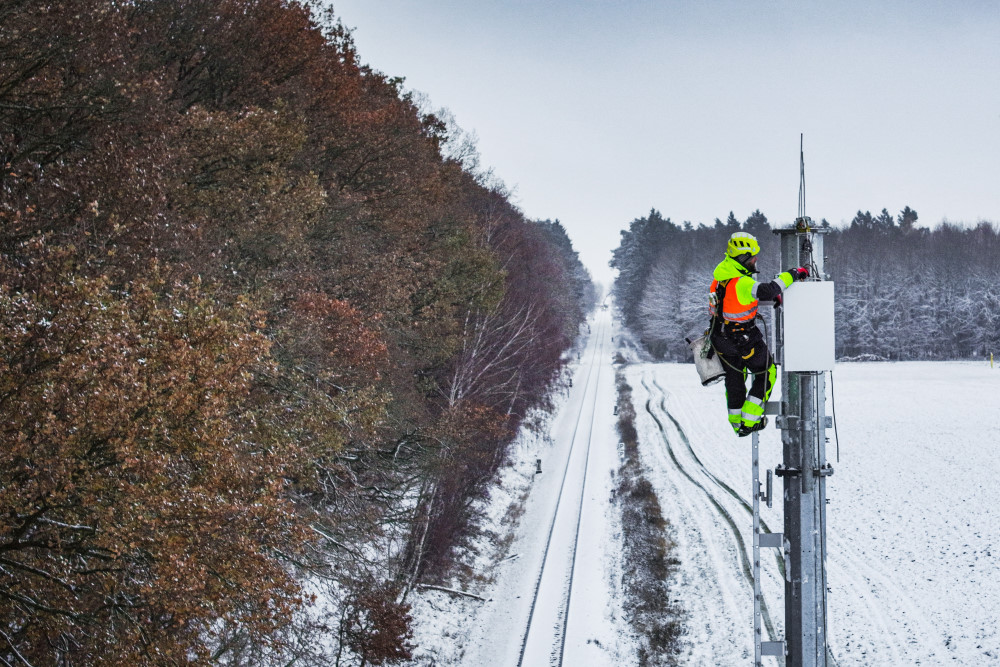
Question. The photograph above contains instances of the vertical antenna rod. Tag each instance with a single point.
(802, 178)
(803, 423)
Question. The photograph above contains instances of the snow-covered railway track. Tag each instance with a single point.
(548, 619)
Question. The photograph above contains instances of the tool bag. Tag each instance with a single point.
(706, 361)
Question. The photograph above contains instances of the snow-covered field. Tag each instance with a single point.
(912, 522)
(912, 519)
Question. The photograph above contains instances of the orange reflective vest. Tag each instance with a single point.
(733, 310)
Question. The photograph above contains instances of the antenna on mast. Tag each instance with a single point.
(802, 223)
(804, 336)
(802, 178)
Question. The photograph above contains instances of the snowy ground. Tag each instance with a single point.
(912, 522)
(463, 631)
(912, 515)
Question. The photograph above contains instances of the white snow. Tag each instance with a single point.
(912, 522)
(912, 519)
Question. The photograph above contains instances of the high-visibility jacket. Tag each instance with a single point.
(742, 293)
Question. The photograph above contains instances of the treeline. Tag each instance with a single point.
(265, 333)
(901, 292)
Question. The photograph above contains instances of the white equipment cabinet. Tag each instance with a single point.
(808, 327)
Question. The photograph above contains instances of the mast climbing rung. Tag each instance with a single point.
(772, 648)
(775, 540)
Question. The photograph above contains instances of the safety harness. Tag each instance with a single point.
(728, 328)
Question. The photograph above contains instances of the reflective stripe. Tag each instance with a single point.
(753, 409)
(740, 315)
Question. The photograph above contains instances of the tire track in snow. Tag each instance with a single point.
(730, 490)
(746, 566)
(709, 580)
(866, 582)
(875, 596)
(747, 505)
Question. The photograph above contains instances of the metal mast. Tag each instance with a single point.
(804, 471)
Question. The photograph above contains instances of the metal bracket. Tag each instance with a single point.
(793, 423)
(787, 422)
(825, 471)
(772, 648)
(782, 471)
(767, 496)
(774, 540)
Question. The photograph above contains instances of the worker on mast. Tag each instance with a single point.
(735, 337)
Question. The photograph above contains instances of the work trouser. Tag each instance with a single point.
(744, 352)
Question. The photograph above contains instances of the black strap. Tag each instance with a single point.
(720, 291)
(720, 297)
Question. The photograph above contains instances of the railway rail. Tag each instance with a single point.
(547, 626)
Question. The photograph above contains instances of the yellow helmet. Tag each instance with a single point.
(741, 243)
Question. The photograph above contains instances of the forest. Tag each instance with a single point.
(266, 331)
(902, 291)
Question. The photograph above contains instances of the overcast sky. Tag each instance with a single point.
(596, 111)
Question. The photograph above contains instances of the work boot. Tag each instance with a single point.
(747, 430)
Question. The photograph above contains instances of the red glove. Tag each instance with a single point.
(777, 301)
(800, 273)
